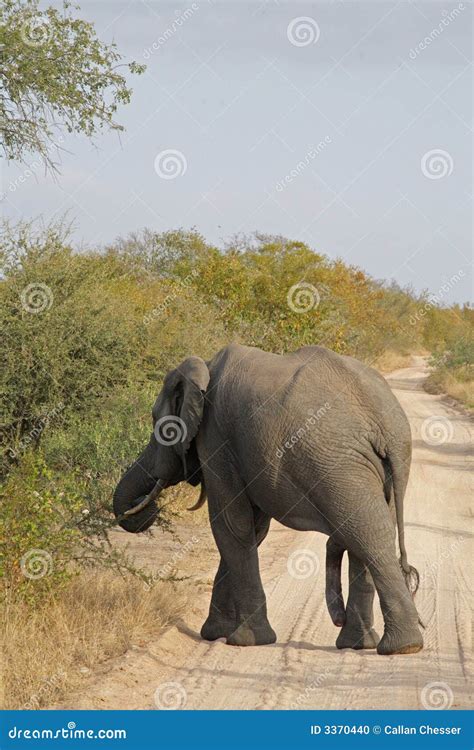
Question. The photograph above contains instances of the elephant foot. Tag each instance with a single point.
(249, 634)
(357, 639)
(400, 642)
(216, 627)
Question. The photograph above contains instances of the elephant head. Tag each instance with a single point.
(170, 456)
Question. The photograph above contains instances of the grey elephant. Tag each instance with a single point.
(313, 439)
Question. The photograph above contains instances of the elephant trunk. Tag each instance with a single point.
(134, 499)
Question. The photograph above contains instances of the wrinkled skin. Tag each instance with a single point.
(313, 439)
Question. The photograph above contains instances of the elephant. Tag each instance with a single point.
(313, 439)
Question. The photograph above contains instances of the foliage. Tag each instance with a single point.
(453, 368)
(91, 335)
(249, 285)
(57, 310)
(460, 354)
(55, 74)
(36, 538)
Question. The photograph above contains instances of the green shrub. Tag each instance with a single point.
(90, 336)
(460, 356)
(37, 532)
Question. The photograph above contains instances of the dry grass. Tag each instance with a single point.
(390, 360)
(98, 615)
(459, 384)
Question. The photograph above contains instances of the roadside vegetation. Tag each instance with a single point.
(89, 337)
(47, 650)
(453, 372)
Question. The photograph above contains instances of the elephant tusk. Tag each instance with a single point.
(156, 491)
(201, 499)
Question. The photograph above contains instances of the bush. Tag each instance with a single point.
(83, 327)
(453, 372)
(90, 337)
(70, 338)
(37, 532)
(459, 356)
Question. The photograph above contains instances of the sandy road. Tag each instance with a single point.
(304, 669)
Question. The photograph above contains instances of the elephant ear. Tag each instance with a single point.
(191, 385)
(179, 409)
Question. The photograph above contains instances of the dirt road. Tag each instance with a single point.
(304, 669)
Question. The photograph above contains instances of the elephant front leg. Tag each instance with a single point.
(238, 601)
(222, 619)
(358, 632)
(252, 626)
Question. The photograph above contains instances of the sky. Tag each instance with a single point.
(343, 124)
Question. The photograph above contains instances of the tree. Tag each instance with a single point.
(55, 73)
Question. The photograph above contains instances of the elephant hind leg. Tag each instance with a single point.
(364, 526)
(358, 632)
(334, 598)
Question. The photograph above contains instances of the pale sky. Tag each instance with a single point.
(245, 92)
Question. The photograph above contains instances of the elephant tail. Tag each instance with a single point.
(201, 499)
(399, 483)
(334, 598)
